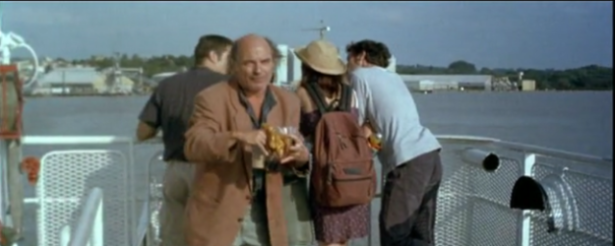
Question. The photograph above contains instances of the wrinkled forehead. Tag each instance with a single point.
(255, 52)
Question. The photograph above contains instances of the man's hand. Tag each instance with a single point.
(256, 138)
(367, 129)
(297, 152)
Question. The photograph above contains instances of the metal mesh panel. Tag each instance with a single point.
(492, 215)
(452, 216)
(155, 176)
(594, 198)
(66, 177)
(493, 225)
(473, 204)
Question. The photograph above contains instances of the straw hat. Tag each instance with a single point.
(321, 56)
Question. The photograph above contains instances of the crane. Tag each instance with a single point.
(116, 73)
(322, 30)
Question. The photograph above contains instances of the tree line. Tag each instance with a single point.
(591, 77)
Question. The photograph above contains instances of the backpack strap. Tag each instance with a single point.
(345, 102)
(317, 96)
(346, 98)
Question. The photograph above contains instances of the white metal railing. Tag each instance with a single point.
(528, 148)
(89, 229)
(105, 168)
(474, 196)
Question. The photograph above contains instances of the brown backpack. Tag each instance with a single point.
(343, 171)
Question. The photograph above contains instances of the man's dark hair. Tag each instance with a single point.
(376, 53)
(209, 43)
(233, 57)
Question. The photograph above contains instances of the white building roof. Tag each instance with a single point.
(448, 78)
(81, 75)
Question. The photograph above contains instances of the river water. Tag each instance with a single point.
(574, 121)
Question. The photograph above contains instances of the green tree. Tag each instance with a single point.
(462, 67)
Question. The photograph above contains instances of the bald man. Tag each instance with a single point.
(238, 198)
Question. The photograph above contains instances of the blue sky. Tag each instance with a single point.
(491, 34)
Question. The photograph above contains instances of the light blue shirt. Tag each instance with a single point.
(385, 101)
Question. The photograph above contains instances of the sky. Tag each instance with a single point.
(489, 34)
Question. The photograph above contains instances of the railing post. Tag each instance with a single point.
(143, 228)
(65, 235)
(526, 219)
(132, 197)
(98, 229)
(89, 230)
(4, 197)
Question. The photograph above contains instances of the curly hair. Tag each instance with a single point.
(376, 53)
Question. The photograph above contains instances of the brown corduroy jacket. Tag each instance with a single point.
(221, 189)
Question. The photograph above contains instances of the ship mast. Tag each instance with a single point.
(322, 30)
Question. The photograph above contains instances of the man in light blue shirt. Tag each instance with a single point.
(410, 152)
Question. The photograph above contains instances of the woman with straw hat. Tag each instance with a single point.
(322, 66)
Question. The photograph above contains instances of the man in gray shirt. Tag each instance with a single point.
(410, 152)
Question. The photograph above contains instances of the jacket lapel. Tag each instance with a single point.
(241, 122)
(273, 180)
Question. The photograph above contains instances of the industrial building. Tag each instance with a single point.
(428, 83)
(72, 80)
(528, 85)
(115, 84)
(81, 81)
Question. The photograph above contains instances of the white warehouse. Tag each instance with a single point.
(447, 82)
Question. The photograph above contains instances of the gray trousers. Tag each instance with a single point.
(408, 213)
(253, 230)
(176, 190)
